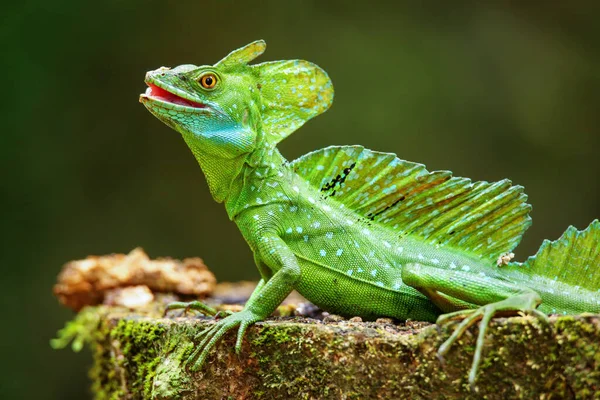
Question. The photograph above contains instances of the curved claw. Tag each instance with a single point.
(202, 333)
(543, 318)
(241, 332)
(453, 316)
(176, 305)
(223, 314)
(192, 305)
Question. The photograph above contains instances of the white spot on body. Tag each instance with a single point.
(322, 252)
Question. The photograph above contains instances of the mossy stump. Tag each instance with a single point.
(141, 355)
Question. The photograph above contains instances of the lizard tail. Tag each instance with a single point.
(566, 272)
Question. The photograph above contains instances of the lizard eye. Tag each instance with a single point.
(208, 81)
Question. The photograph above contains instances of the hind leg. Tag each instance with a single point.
(488, 296)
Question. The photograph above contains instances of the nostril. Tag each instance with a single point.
(162, 70)
(183, 77)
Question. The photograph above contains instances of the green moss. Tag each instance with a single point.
(129, 355)
(308, 363)
(141, 357)
(79, 331)
(106, 375)
(137, 344)
(578, 337)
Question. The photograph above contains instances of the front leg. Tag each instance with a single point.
(264, 300)
(476, 297)
(207, 310)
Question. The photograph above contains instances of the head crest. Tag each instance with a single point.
(292, 91)
(243, 55)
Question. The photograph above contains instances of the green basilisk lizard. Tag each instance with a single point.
(355, 231)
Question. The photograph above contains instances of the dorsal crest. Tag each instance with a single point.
(482, 218)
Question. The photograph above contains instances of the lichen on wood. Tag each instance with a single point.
(143, 355)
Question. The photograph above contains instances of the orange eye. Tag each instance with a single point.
(208, 81)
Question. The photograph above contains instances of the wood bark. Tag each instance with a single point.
(139, 354)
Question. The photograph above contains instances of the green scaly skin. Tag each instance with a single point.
(310, 231)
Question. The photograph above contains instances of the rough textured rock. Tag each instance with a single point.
(142, 355)
(98, 279)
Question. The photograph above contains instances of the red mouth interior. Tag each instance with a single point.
(164, 95)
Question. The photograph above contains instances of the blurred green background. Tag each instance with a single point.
(486, 89)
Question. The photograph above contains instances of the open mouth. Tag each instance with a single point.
(157, 93)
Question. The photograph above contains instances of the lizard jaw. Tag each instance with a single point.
(169, 99)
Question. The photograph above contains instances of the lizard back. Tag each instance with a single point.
(480, 218)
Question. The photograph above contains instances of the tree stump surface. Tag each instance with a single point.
(141, 354)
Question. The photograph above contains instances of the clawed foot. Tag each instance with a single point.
(526, 303)
(212, 334)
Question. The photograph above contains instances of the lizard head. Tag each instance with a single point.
(228, 110)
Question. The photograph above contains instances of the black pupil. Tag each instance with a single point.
(208, 81)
